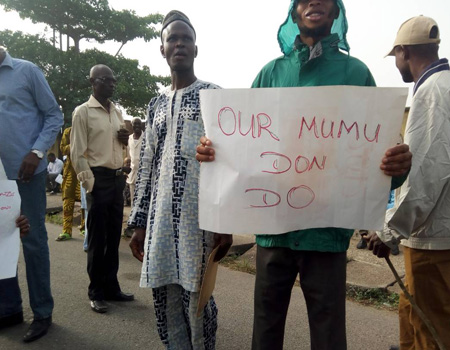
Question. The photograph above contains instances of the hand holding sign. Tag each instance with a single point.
(9, 232)
(297, 158)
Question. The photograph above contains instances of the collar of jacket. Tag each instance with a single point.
(435, 67)
(307, 53)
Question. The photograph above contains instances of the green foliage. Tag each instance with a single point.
(378, 297)
(56, 218)
(87, 19)
(68, 73)
(233, 262)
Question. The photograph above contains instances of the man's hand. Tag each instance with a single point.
(28, 167)
(126, 169)
(378, 248)
(123, 135)
(397, 160)
(224, 242)
(137, 243)
(23, 225)
(205, 153)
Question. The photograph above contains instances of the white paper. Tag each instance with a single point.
(283, 172)
(59, 179)
(9, 233)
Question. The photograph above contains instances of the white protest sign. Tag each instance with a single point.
(9, 233)
(297, 158)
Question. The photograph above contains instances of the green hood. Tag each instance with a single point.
(288, 30)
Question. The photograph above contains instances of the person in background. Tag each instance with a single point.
(134, 145)
(126, 191)
(420, 218)
(70, 190)
(30, 120)
(54, 169)
(134, 148)
(98, 143)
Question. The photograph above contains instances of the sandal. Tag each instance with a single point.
(64, 237)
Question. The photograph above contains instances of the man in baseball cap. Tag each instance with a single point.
(420, 216)
(417, 31)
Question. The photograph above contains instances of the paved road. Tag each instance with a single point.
(132, 325)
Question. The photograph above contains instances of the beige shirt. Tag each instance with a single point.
(94, 140)
(134, 148)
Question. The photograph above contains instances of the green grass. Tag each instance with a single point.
(56, 219)
(233, 263)
(378, 297)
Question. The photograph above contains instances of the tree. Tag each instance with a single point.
(87, 19)
(67, 71)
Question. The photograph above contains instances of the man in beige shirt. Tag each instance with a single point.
(99, 140)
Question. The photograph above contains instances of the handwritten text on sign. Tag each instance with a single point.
(9, 233)
(296, 158)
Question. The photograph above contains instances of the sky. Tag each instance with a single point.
(236, 38)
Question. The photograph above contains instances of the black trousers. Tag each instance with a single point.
(51, 184)
(322, 279)
(105, 205)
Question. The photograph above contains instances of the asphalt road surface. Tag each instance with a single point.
(132, 325)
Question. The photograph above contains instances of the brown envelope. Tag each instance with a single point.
(209, 281)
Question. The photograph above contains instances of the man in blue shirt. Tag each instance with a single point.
(30, 119)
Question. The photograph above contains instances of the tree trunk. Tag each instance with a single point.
(76, 43)
(120, 48)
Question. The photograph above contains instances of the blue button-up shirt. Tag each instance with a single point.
(30, 117)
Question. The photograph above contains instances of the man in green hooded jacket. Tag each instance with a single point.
(312, 40)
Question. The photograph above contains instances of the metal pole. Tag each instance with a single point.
(415, 307)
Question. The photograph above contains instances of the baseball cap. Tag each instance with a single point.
(416, 31)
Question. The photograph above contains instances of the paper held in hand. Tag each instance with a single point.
(295, 158)
(9, 233)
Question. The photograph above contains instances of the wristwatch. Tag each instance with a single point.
(39, 154)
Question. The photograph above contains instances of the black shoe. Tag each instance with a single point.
(99, 306)
(362, 244)
(11, 320)
(394, 347)
(121, 296)
(38, 328)
(395, 251)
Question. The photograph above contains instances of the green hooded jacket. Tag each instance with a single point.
(323, 64)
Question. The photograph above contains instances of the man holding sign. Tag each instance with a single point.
(310, 39)
(30, 119)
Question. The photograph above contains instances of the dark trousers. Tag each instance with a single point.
(36, 254)
(105, 205)
(51, 183)
(322, 279)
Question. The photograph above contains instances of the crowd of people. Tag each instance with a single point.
(163, 178)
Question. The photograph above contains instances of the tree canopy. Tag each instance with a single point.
(68, 71)
(87, 19)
